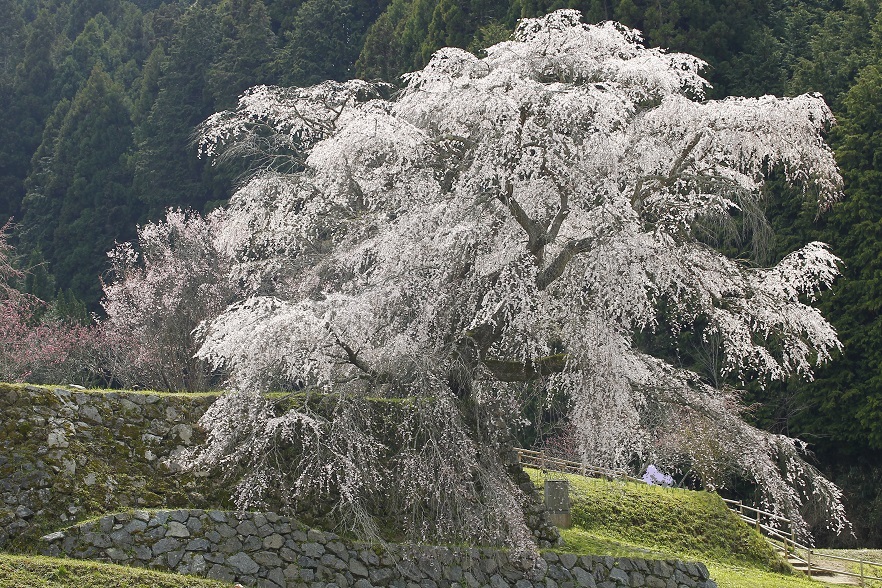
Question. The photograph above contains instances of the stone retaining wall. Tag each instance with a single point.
(272, 551)
(67, 455)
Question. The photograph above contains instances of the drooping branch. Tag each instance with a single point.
(610, 129)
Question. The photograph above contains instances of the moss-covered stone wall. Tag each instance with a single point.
(67, 455)
(271, 551)
(70, 454)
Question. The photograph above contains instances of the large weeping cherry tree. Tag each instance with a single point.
(501, 222)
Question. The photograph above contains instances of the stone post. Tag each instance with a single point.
(557, 501)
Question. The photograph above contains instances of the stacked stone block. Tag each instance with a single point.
(66, 454)
(272, 551)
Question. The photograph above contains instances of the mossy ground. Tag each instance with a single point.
(23, 571)
(627, 519)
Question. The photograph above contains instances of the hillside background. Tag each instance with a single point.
(100, 99)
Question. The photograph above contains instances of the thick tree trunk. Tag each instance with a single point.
(518, 371)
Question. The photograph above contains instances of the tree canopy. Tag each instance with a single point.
(515, 219)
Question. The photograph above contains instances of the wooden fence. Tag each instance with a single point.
(539, 459)
(777, 530)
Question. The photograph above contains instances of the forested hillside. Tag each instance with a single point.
(101, 99)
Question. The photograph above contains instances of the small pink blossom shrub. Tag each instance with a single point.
(160, 292)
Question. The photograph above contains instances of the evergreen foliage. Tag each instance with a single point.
(165, 172)
(850, 392)
(84, 188)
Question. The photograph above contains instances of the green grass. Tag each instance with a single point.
(20, 571)
(50, 387)
(730, 576)
(637, 520)
(577, 540)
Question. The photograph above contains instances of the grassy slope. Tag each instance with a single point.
(637, 520)
(17, 571)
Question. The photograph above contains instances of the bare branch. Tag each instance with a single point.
(352, 358)
(680, 163)
(534, 230)
(562, 213)
(558, 265)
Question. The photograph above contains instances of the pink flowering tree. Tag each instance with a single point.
(57, 352)
(160, 291)
(34, 347)
(517, 218)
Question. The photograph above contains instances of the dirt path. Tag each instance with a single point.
(872, 566)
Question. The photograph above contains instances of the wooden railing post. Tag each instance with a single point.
(862, 572)
(808, 562)
(758, 521)
(542, 460)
